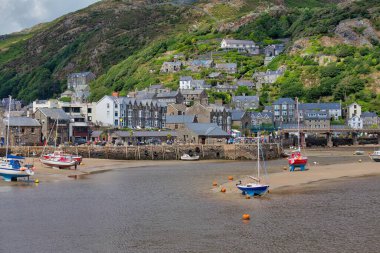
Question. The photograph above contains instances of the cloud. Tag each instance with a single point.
(16, 15)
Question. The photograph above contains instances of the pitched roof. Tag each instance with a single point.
(226, 66)
(245, 98)
(319, 106)
(261, 114)
(22, 121)
(54, 113)
(145, 133)
(207, 129)
(281, 101)
(232, 41)
(96, 133)
(368, 115)
(185, 78)
(245, 83)
(237, 115)
(192, 92)
(167, 94)
(81, 74)
(179, 119)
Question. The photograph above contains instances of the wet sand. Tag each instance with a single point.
(329, 165)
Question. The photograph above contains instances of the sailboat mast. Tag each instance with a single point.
(56, 134)
(9, 114)
(298, 126)
(258, 156)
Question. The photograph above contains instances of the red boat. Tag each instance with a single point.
(59, 162)
(297, 159)
(59, 154)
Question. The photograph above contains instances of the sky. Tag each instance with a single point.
(16, 15)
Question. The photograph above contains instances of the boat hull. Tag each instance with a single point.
(58, 164)
(11, 174)
(189, 158)
(253, 190)
(375, 158)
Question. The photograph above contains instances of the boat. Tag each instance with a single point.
(187, 157)
(60, 153)
(375, 156)
(296, 159)
(11, 167)
(254, 188)
(62, 162)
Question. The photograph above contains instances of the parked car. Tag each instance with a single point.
(80, 142)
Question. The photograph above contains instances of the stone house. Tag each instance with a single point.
(267, 77)
(352, 110)
(172, 97)
(245, 46)
(79, 79)
(246, 83)
(143, 137)
(176, 109)
(199, 65)
(245, 102)
(192, 96)
(316, 120)
(54, 121)
(202, 133)
(259, 119)
(211, 114)
(23, 131)
(175, 122)
(284, 111)
(226, 87)
(274, 50)
(171, 67)
(370, 120)
(241, 120)
(16, 105)
(230, 68)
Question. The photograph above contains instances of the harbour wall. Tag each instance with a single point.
(164, 152)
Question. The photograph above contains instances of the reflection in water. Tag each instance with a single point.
(171, 209)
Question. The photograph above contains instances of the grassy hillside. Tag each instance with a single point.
(126, 42)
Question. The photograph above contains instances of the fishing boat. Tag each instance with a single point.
(187, 157)
(11, 167)
(375, 156)
(254, 188)
(62, 162)
(296, 159)
(359, 152)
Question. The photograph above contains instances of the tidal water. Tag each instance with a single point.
(171, 209)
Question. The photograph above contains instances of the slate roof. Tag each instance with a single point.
(200, 63)
(281, 101)
(237, 115)
(54, 113)
(368, 115)
(81, 74)
(191, 92)
(179, 119)
(245, 42)
(261, 114)
(320, 106)
(96, 133)
(207, 129)
(245, 83)
(171, 94)
(214, 74)
(21, 121)
(245, 98)
(226, 66)
(185, 78)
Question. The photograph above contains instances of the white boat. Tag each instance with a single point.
(187, 157)
(254, 188)
(359, 152)
(59, 162)
(375, 156)
(11, 167)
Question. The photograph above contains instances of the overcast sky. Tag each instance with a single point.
(16, 15)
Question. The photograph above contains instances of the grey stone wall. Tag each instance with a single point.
(164, 152)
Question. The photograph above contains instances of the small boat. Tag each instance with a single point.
(255, 188)
(62, 162)
(359, 152)
(11, 168)
(60, 153)
(375, 156)
(187, 157)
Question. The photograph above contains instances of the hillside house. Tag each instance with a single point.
(352, 110)
(229, 68)
(259, 119)
(314, 119)
(284, 111)
(171, 67)
(211, 114)
(192, 96)
(355, 122)
(79, 79)
(370, 120)
(176, 109)
(199, 65)
(175, 122)
(187, 83)
(240, 120)
(172, 97)
(333, 110)
(245, 46)
(245, 102)
(274, 50)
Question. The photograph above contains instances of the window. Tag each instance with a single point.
(156, 115)
(155, 123)
(176, 126)
(214, 119)
(130, 113)
(89, 118)
(22, 130)
(115, 105)
(32, 130)
(276, 107)
(108, 105)
(108, 114)
(284, 107)
(140, 113)
(89, 110)
(116, 114)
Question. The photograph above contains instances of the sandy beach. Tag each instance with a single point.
(342, 163)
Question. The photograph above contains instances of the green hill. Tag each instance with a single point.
(333, 52)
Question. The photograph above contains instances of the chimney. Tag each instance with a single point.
(115, 94)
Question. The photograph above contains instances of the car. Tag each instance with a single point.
(80, 142)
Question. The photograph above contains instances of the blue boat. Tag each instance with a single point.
(11, 166)
(256, 188)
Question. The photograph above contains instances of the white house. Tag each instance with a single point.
(355, 122)
(187, 83)
(107, 111)
(241, 45)
(354, 109)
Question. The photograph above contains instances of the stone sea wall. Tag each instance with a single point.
(164, 152)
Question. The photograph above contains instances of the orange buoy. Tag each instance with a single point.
(223, 190)
(247, 197)
(246, 216)
(214, 183)
(230, 178)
